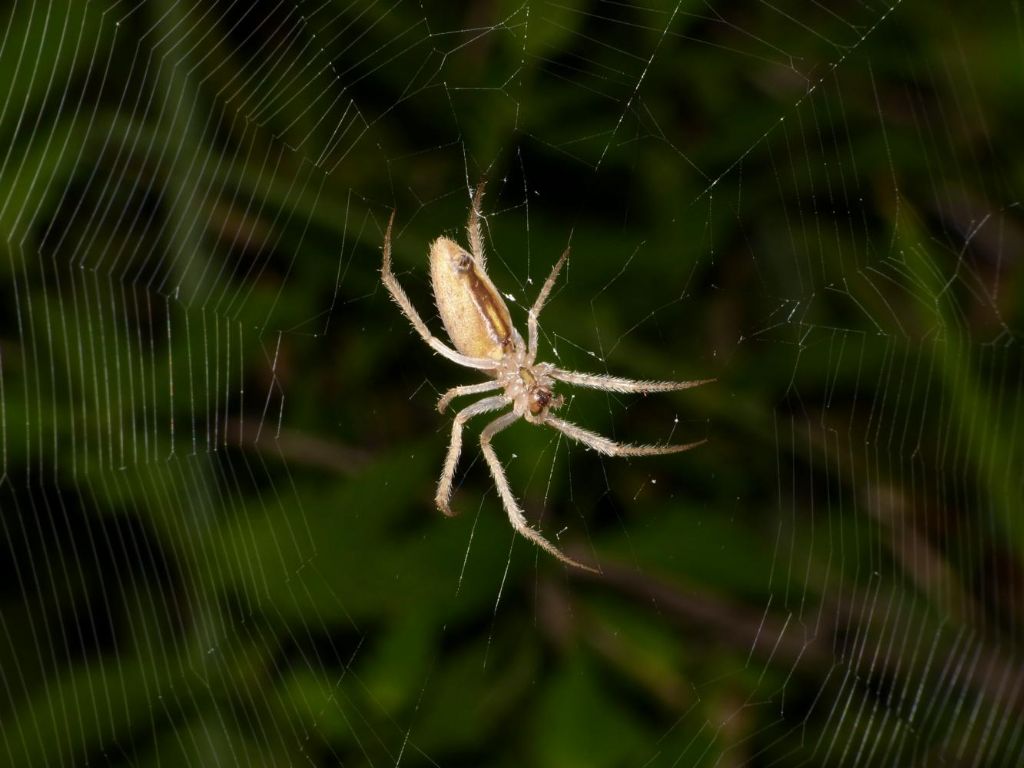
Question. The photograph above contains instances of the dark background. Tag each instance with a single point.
(219, 441)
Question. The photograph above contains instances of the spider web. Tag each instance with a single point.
(218, 437)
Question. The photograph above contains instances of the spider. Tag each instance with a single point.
(479, 325)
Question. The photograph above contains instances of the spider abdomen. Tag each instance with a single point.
(473, 312)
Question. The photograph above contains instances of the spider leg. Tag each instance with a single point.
(538, 305)
(515, 514)
(609, 447)
(476, 240)
(451, 460)
(400, 297)
(619, 384)
(469, 389)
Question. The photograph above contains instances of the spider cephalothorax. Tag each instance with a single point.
(531, 389)
(480, 326)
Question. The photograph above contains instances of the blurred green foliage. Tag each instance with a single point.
(219, 438)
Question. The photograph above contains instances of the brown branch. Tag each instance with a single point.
(298, 447)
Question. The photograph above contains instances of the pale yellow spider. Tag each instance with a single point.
(480, 327)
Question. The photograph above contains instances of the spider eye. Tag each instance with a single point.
(539, 400)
